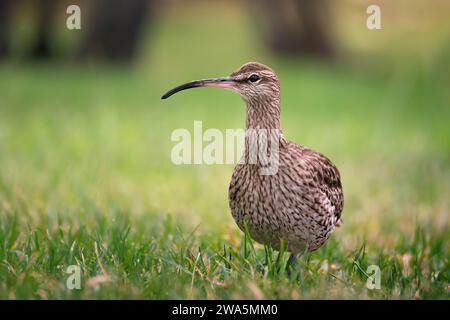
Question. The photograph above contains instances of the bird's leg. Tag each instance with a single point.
(291, 265)
(292, 260)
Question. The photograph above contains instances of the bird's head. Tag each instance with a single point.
(253, 81)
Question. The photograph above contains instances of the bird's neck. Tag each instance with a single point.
(263, 115)
(263, 138)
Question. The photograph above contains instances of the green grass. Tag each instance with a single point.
(86, 177)
(157, 260)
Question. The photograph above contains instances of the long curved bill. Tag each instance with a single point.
(224, 82)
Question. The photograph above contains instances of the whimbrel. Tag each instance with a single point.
(301, 202)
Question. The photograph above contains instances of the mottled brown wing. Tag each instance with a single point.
(327, 178)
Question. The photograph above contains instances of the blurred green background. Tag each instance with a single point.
(85, 134)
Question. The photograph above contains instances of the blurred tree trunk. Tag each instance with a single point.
(43, 11)
(44, 15)
(4, 27)
(113, 28)
(298, 27)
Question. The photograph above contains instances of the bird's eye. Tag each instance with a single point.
(253, 78)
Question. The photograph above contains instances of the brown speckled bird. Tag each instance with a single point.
(300, 202)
